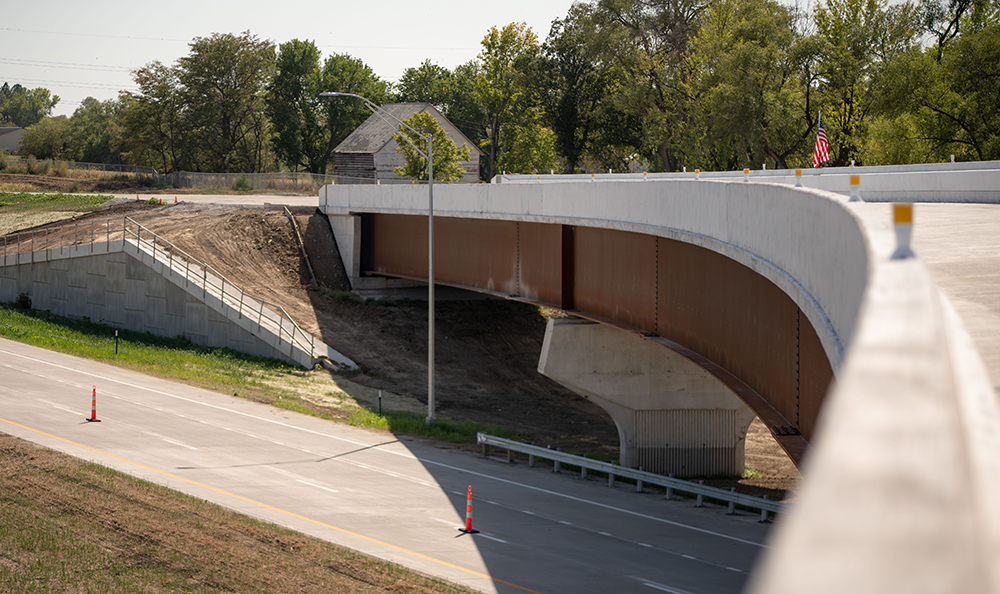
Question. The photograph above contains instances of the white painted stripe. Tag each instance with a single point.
(660, 587)
(603, 533)
(492, 537)
(317, 486)
(183, 445)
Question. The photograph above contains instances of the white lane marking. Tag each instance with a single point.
(317, 486)
(492, 538)
(689, 557)
(393, 452)
(524, 511)
(183, 445)
(663, 588)
(62, 408)
(648, 546)
(445, 521)
(604, 533)
(565, 522)
(734, 569)
(659, 586)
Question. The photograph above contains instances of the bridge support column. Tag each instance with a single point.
(672, 416)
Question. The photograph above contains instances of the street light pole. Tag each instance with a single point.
(377, 110)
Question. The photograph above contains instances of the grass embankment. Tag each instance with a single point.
(260, 379)
(72, 526)
(21, 210)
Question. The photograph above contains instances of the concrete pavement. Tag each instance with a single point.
(961, 245)
(397, 498)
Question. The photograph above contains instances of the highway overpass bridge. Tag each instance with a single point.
(722, 296)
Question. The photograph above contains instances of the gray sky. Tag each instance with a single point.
(79, 49)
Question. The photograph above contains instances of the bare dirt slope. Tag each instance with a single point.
(486, 352)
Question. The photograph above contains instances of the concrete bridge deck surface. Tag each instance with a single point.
(961, 245)
(396, 498)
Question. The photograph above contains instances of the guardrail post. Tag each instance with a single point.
(531, 458)
(670, 490)
(510, 456)
(732, 504)
(555, 464)
(701, 498)
(763, 513)
(638, 483)
(486, 450)
(611, 476)
(583, 471)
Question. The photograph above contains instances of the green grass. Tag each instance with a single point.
(213, 368)
(30, 201)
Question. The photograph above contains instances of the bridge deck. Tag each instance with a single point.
(961, 245)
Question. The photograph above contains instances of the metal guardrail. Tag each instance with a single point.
(176, 260)
(641, 477)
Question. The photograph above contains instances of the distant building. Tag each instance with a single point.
(370, 151)
(10, 138)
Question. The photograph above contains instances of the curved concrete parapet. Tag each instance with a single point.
(903, 484)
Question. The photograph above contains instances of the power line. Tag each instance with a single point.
(79, 85)
(93, 35)
(70, 65)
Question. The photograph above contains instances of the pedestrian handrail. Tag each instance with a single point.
(641, 476)
(23, 246)
(212, 281)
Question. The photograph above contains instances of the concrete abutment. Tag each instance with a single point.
(672, 416)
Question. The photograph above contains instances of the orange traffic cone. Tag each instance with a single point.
(93, 413)
(468, 515)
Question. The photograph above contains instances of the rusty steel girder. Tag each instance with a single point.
(714, 310)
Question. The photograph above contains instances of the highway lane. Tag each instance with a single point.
(397, 498)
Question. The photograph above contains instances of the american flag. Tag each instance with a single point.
(822, 152)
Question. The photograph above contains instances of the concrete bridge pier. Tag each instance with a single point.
(672, 416)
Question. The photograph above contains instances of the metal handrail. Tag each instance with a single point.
(244, 303)
(641, 476)
(235, 291)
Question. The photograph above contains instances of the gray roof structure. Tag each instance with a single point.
(374, 133)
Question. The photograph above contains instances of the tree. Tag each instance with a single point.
(295, 110)
(500, 85)
(857, 40)
(530, 148)
(46, 139)
(650, 42)
(428, 83)
(154, 132)
(346, 74)
(93, 132)
(447, 157)
(573, 83)
(750, 91)
(21, 107)
(223, 81)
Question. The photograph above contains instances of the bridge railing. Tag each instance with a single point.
(640, 476)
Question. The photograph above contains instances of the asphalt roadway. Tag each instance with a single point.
(397, 498)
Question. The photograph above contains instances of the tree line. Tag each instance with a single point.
(616, 85)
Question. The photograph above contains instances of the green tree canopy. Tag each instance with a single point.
(500, 85)
(23, 107)
(45, 140)
(223, 81)
(295, 110)
(447, 156)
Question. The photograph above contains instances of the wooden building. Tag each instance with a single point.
(369, 153)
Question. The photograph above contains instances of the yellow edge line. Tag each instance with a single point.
(271, 507)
